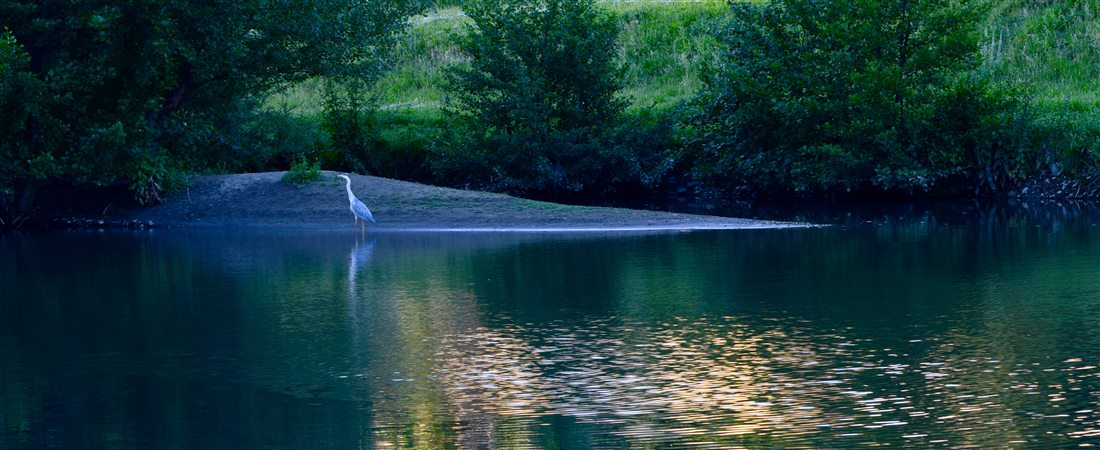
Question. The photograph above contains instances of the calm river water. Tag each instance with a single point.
(970, 327)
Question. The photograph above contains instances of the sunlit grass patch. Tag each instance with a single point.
(421, 58)
(663, 45)
(1051, 51)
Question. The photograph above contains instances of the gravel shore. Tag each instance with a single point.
(263, 200)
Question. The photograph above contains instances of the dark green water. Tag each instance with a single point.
(964, 330)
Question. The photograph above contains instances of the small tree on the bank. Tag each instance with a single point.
(825, 95)
(538, 94)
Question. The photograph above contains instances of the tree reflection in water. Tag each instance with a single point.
(971, 328)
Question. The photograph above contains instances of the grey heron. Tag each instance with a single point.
(357, 207)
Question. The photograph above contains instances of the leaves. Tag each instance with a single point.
(822, 95)
(110, 84)
(541, 86)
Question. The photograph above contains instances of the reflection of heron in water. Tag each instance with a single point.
(360, 255)
(358, 208)
(357, 311)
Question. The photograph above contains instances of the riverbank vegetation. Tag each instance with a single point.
(566, 99)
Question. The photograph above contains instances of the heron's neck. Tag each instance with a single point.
(351, 197)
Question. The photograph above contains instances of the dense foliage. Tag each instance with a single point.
(549, 97)
(538, 93)
(826, 95)
(106, 90)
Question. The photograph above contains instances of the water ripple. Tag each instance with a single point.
(722, 382)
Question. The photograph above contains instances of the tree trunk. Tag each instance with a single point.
(176, 96)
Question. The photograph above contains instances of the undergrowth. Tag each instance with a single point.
(1047, 49)
(303, 172)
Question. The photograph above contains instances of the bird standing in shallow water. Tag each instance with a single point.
(357, 207)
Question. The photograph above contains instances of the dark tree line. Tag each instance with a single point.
(809, 95)
(94, 91)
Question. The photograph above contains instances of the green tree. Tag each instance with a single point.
(825, 95)
(19, 96)
(540, 87)
(133, 89)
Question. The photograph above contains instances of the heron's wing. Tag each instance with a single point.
(362, 211)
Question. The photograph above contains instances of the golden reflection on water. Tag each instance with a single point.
(667, 384)
(717, 383)
(423, 354)
(443, 375)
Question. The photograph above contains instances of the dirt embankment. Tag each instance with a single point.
(263, 200)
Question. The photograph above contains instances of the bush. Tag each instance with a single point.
(19, 97)
(155, 177)
(828, 95)
(303, 172)
(638, 154)
(239, 136)
(536, 96)
(347, 119)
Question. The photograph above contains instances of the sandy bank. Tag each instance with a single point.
(263, 200)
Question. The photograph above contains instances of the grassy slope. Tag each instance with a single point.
(663, 43)
(662, 46)
(1050, 48)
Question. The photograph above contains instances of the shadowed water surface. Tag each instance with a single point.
(975, 329)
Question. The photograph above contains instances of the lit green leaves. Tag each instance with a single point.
(826, 95)
(540, 87)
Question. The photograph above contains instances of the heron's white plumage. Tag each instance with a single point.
(358, 208)
(361, 210)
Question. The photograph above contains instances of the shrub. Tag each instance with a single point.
(19, 98)
(155, 177)
(303, 172)
(347, 120)
(539, 90)
(827, 95)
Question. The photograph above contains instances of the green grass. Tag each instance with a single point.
(663, 44)
(1051, 50)
(1048, 48)
(421, 58)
